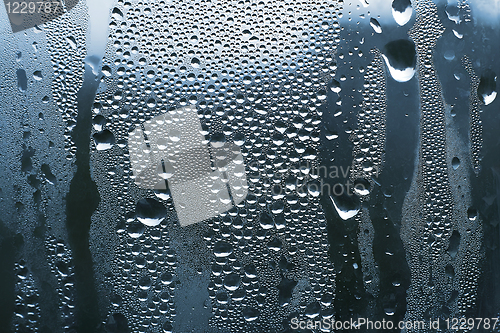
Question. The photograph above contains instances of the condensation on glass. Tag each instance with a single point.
(188, 179)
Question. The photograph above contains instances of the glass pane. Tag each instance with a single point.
(249, 166)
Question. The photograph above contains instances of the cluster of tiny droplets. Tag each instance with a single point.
(475, 126)
(433, 192)
(27, 311)
(61, 265)
(368, 157)
(432, 152)
(257, 71)
(67, 49)
(34, 275)
(430, 209)
(369, 138)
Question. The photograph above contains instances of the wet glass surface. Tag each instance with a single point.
(251, 166)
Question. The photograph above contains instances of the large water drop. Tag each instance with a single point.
(104, 140)
(135, 229)
(486, 91)
(361, 187)
(222, 249)
(400, 58)
(250, 314)
(346, 205)
(401, 11)
(232, 282)
(334, 86)
(117, 14)
(453, 13)
(285, 290)
(150, 212)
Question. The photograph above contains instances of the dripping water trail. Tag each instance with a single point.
(81, 201)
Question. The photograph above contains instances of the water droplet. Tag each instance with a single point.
(275, 244)
(72, 42)
(266, 221)
(449, 55)
(452, 12)
(163, 194)
(364, 3)
(251, 271)
(449, 271)
(454, 244)
(401, 11)
(457, 34)
(232, 281)
(486, 90)
(334, 86)
(361, 187)
(117, 14)
(285, 290)
(400, 58)
(347, 206)
(167, 278)
(217, 140)
(389, 311)
(250, 314)
(472, 214)
(165, 170)
(195, 62)
(104, 140)
(37, 75)
(135, 229)
(312, 310)
(375, 25)
(150, 212)
(106, 70)
(222, 249)
(151, 103)
(22, 80)
(51, 179)
(167, 328)
(99, 122)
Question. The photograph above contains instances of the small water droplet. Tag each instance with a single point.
(375, 25)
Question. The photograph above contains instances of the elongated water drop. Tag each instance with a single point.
(376, 25)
